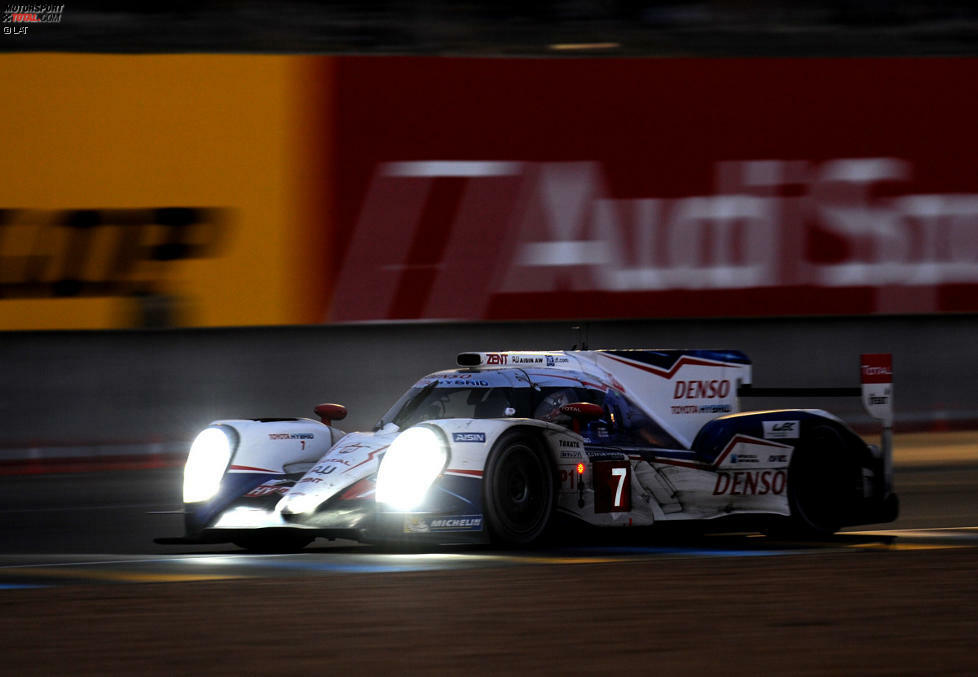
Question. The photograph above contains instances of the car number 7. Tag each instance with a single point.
(621, 474)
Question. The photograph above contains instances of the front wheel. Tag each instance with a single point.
(519, 491)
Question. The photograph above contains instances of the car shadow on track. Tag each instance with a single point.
(589, 542)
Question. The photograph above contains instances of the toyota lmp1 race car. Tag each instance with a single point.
(498, 449)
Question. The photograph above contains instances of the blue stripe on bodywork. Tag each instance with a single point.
(455, 495)
(233, 486)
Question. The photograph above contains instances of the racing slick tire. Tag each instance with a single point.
(274, 542)
(823, 485)
(519, 490)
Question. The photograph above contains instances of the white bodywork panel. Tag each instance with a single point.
(279, 446)
(668, 489)
(683, 398)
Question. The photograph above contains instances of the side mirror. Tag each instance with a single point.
(582, 411)
(328, 413)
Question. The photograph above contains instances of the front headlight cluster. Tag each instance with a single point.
(209, 457)
(412, 462)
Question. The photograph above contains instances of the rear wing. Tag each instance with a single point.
(876, 391)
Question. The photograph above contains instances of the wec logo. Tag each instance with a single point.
(781, 430)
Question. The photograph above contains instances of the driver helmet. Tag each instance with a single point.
(549, 407)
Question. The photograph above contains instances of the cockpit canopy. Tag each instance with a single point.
(515, 393)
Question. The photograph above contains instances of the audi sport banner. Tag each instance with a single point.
(518, 189)
(225, 190)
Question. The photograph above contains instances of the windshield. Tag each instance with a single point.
(431, 402)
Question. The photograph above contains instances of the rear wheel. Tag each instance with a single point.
(273, 542)
(519, 490)
(823, 484)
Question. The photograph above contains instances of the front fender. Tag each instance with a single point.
(268, 457)
(458, 490)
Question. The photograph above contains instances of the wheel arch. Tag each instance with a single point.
(537, 433)
(712, 438)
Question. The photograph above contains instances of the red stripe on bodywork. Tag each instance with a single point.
(734, 441)
(360, 489)
(750, 440)
(473, 473)
(683, 361)
(251, 469)
(369, 458)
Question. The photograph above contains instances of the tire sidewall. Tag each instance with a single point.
(518, 449)
(816, 483)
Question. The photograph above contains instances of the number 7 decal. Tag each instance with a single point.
(612, 488)
(621, 474)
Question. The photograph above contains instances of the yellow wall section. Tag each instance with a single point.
(94, 131)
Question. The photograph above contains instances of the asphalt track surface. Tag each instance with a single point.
(84, 590)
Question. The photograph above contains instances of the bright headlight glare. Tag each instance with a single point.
(301, 503)
(209, 457)
(412, 462)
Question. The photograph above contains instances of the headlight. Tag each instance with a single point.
(209, 457)
(412, 462)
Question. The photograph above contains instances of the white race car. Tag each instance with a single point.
(498, 448)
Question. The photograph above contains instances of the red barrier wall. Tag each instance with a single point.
(547, 189)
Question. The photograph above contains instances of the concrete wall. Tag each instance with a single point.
(80, 388)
